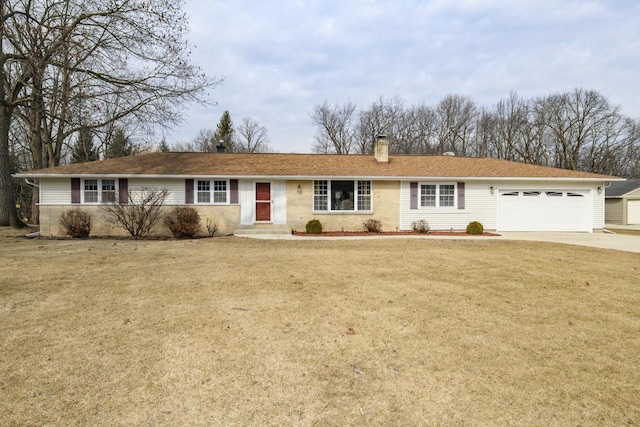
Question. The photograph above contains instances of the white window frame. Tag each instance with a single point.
(99, 190)
(213, 192)
(437, 195)
(326, 191)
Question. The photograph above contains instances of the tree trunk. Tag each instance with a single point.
(8, 212)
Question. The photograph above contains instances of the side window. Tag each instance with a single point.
(320, 195)
(204, 191)
(428, 195)
(438, 195)
(220, 192)
(108, 191)
(342, 196)
(99, 191)
(91, 191)
(447, 196)
(208, 191)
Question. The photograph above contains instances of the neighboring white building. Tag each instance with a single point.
(622, 202)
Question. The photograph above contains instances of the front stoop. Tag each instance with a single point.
(261, 228)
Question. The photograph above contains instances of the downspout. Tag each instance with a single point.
(604, 198)
(33, 184)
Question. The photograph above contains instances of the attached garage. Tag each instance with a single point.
(544, 210)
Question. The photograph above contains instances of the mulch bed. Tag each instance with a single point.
(390, 233)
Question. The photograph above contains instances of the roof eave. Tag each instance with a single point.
(316, 177)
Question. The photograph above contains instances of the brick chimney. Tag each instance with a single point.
(381, 149)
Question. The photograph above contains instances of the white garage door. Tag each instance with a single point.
(543, 210)
(633, 212)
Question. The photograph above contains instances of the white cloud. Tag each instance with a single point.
(280, 58)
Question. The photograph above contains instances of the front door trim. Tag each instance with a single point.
(263, 201)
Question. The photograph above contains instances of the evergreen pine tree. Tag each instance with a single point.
(163, 147)
(119, 145)
(83, 150)
(225, 131)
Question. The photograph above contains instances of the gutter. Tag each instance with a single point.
(319, 177)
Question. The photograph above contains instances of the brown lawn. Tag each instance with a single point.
(229, 331)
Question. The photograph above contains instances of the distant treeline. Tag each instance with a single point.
(578, 130)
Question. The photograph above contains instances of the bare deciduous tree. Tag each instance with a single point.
(251, 137)
(142, 211)
(335, 128)
(68, 64)
(456, 116)
(381, 118)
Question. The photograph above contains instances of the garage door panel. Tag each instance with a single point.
(633, 212)
(537, 210)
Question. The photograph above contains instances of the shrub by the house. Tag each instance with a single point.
(212, 227)
(421, 227)
(314, 227)
(475, 227)
(372, 226)
(76, 223)
(183, 222)
(139, 214)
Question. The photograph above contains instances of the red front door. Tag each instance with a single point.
(263, 201)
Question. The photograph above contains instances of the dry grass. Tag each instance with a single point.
(387, 332)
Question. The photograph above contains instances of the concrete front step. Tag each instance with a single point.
(245, 230)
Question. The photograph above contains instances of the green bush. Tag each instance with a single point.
(475, 227)
(76, 223)
(372, 226)
(183, 222)
(314, 227)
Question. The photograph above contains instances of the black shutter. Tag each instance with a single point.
(75, 190)
(461, 195)
(414, 195)
(233, 184)
(188, 189)
(123, 189)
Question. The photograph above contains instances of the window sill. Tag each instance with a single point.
(342, 212)
(437, 208)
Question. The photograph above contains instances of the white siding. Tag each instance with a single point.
(279, 197)
(176, 188)
(598, 206)
(55, 191)
(247, 200)
(480, 205)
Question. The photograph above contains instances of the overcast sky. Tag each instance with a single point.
(280, 58)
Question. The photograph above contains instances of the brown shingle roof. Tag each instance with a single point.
(309, 165)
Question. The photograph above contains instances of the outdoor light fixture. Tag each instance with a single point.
(600, 190)
(299, 189)
(493, 189)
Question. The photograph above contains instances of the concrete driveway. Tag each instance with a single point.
(621, 242)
